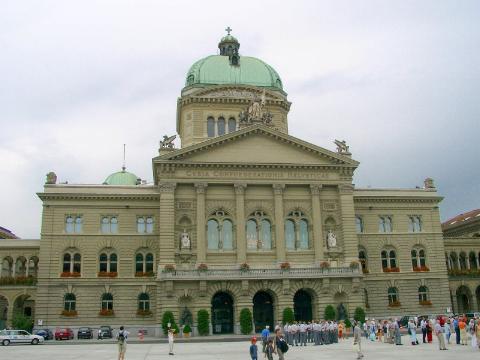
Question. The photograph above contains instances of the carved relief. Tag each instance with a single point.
(228, 206)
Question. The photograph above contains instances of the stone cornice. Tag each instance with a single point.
(80, 196)
(397, 199)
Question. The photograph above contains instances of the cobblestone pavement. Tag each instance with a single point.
(233, 351)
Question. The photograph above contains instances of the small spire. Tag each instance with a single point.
(123, 167)
(228, 30)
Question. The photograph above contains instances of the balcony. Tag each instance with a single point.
(256, 274)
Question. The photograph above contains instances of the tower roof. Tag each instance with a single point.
(122, 178)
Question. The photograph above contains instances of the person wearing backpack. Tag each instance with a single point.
(280, 346)
(122, 343)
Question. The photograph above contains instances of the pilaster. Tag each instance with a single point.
(240, 228)
(350, 241)
(317, 222)
(201, 189)
(279, 221)
(167, 223)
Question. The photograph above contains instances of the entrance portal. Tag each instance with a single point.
(222, 313)
(262, 311)
(464, 300)
(3, 311)
(302, 306)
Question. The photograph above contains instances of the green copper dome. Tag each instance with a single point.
(231, 68)
(121, 178)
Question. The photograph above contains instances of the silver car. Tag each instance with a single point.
(19, 336)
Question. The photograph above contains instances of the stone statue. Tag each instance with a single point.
(184, 240)
(256, 112)
(331, 239)
(51, 178)
(342, 147)
(342, 312)
(255, 109)
(167, 142)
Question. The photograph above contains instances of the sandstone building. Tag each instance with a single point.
(242, 215)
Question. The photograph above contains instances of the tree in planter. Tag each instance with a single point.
(168, 318)
(203, 322)
(288, 316)
(359, 315)
(187, 329)
(329, 312)
(22, 322)
(246, 325)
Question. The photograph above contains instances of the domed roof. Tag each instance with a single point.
(218, 70)
(121, 178)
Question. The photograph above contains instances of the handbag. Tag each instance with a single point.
(356, 347)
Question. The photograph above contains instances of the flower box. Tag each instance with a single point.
(202, 267)
(18, 280)
(111, 274)
(421, 268)
(285, 266)
(425, 303)
(365, 271)
(70, 274)
(144, 312)
(244, 267)
(324, 265)
(169, 268)
(144, 274)
(69, 313)
(106, 312)
(394, 304)
(391, 270)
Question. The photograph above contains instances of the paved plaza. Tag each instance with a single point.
(232, 351)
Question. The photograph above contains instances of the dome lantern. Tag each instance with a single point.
(229, 46)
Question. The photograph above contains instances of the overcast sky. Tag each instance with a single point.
(399, 80)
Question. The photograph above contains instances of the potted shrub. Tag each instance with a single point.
(359, 315)
(187, 330)
(203, 322)
(167, 319)
(288, 316)
(329, 312)
(246, 321)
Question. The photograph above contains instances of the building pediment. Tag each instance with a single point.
(254, 147)
(236, 92)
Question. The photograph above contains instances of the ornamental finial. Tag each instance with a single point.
(228, 30)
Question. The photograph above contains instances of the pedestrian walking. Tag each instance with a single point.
(280, 345)
(122, 343)
(457, 330)
(269, 350)
(265, 337)
(357, 339)
(254, 349)
(423, 325)
(398, 336)
(412, 330)
(441, 339)
(463, 331)
(170, 334)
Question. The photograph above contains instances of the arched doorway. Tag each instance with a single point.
(222, 313)
(262, 310)
(464, 300)
(3, 311)
(302, 306)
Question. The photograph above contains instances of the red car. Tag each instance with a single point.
(66, 333)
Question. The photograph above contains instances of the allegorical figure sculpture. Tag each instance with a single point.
(51, 178)
(331, 239)
(184, 240)
(167, 142)
(342, 147)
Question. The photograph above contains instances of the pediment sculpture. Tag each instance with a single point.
(256, 112)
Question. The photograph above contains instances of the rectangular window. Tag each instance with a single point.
(359, 224)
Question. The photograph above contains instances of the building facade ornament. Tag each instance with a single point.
(201, 188)
(51, 178)
(167, 187)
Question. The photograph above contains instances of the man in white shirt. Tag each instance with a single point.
(302, 328)
(423, 325)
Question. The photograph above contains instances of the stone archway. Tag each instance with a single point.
(24, 305)
(302, 305)
(222, 313)
(3, 311)
(262, 310)
(464, 300)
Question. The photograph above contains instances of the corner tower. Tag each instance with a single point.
(226, 92)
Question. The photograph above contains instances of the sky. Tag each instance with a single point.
(398, 80)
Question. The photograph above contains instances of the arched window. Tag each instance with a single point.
(385, 224)
(67, 259)
(211, 127)
(220, 231)
(472, 259)
(259, 234)
(296, 231)
(454, 261)
(33, 266)
(143, 264)
(78, 224)
(141, 225)
(109, 225)
(69, 224)
(69, 302)
(389, 261)
(107, 301)
(392, 296)
(144, 302)
(77, 263)
(149, 228)
(72, 263)
(359, 224)
(21, 266)
(221, 126)
(414, 259)
(362, 256)
(418, 260)
(232, 125)
(422, 294)
(7, 267)
(463, 261)
(113, 225)
(108, 263)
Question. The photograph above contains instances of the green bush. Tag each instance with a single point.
(329, 312)
(187, 329)
(359, 315)
(246, 325)
(288, 316)
(22, 322)
(168, 318)
(348, 323)
(203, 322)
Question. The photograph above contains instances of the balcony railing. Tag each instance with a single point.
(252, 274)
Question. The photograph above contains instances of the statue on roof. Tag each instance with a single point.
(342, 147)
(167, 142)
(51, 178)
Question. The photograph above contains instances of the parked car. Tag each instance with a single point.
(19, 336)
(46, 333)
(85, 333)
(105, 332)
(64, 334)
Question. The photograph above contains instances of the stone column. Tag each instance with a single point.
(350, 240)
(167, 223)
(317, 222)
(201, 226)
(279, 221)
(240, 222)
